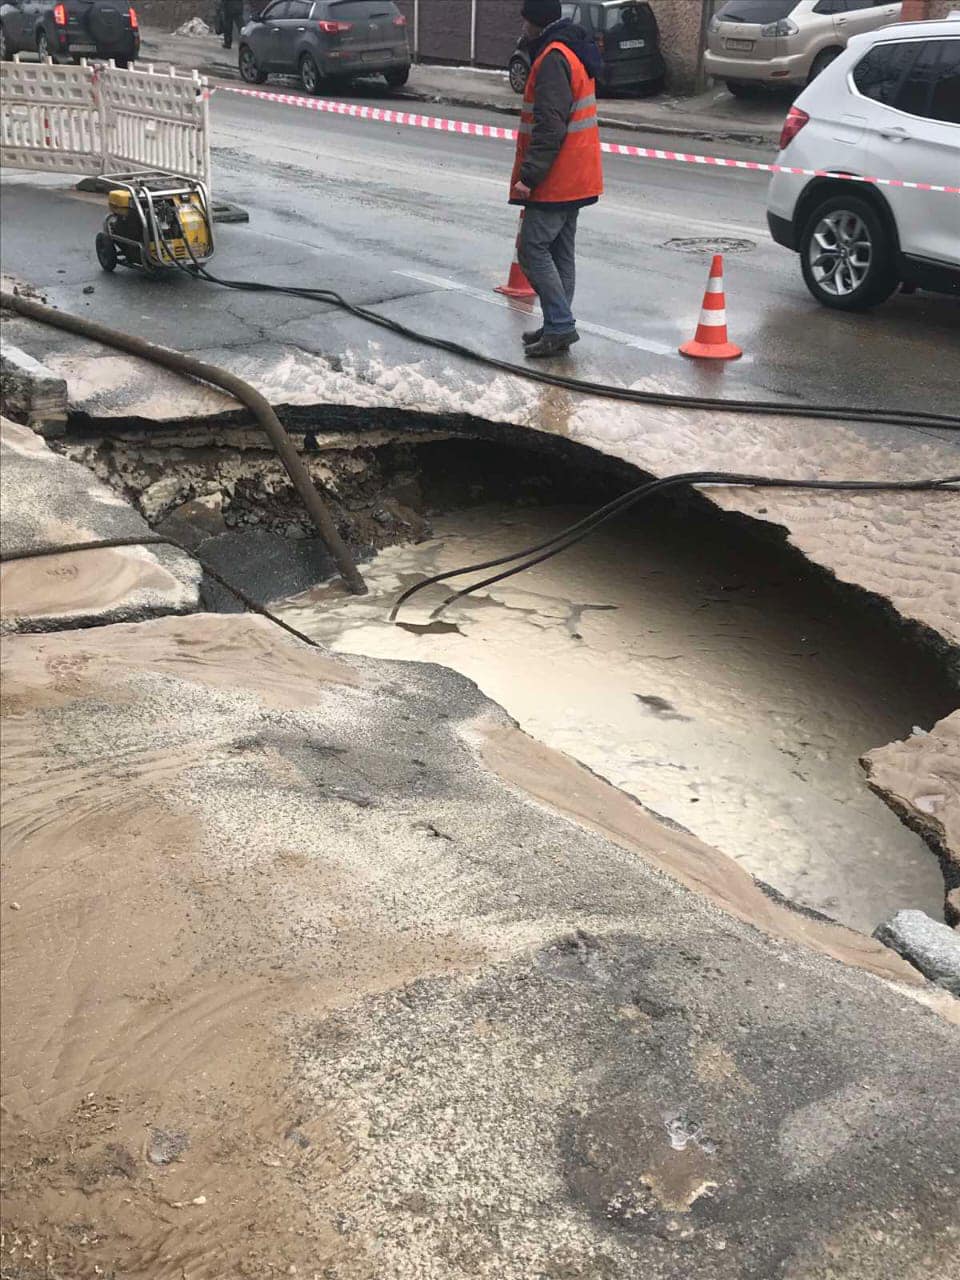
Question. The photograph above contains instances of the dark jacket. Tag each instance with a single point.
(554, 98)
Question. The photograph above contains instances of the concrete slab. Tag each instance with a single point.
(929, 944)
(902, 547)
(49, 502)
(408, 997)
(920, 779)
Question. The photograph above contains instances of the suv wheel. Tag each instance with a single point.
(847, 255)
(397, 77)
(519, 74)
(822, 61)
(249, 70)
(309, 74)
(43, 47)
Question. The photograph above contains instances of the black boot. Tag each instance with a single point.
(552, 344)
(532, 336)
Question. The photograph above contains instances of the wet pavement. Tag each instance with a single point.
(389, 214)
(732, 697)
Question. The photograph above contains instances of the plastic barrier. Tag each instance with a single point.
(94, 119)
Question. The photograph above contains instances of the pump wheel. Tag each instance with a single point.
(106, 252)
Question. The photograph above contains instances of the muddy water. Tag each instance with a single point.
(705, 675)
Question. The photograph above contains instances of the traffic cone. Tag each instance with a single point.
(518, 286)
(710, 341)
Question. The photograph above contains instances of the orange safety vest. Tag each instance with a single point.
(577, 172)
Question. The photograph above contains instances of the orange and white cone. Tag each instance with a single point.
(517, 286)
(710, 341)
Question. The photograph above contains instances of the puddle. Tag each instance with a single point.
(708, 675)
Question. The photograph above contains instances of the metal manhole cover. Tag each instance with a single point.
(703, 244)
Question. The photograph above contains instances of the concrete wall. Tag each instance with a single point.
(444, 33)
(924, 10)
(681, 23)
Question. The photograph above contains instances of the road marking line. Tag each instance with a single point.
(611, 148)
(598, 330)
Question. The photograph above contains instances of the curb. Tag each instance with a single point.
(703, 132)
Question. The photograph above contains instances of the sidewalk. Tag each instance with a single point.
(710, 116)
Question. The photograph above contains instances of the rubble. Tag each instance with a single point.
(933, 947)
(920, 779)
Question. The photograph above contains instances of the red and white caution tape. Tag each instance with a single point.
(468, 128)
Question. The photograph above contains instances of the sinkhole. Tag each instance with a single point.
(689, 656)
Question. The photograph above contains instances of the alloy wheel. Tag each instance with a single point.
(248, 65)
(840, 252)
(309, 75)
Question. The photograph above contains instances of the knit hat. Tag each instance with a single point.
(541, 12)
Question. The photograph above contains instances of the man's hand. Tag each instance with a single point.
(520, 191)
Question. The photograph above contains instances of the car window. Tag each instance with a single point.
(945, 103)
(917, 86)
(829, 6)
(362, 10)
(931, 87)
(762, 11)
(879, 73)
(274, 11)
(571, 11)
(634, 16)
(299, 9)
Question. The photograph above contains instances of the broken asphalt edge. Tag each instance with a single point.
(700, 868)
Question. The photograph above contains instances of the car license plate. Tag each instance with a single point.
(633, 44)
(370, 57)
(82, 48)
(746, 45)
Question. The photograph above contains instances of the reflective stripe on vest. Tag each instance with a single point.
(577, 172)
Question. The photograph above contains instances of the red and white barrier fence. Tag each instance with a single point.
(468, 128)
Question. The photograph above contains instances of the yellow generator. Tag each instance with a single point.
(157, 221)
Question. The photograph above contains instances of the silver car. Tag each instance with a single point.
(755, 42)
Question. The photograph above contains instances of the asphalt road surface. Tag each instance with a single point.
(415, 223)
(431, 207)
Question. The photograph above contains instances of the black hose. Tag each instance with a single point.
(892, 417)
(258, 405)
(575, 533)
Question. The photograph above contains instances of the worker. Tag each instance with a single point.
(231, 15)
(558, 168)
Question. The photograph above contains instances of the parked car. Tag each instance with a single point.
(751, 43)
(627, 35)
(70, 30)
(332, 40)
(888, 107)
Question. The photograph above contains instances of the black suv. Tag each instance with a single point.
(627, 35)
(70, 30)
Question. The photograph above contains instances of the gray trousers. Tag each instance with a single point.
(548, 258)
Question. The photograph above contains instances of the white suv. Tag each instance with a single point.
(888, 107)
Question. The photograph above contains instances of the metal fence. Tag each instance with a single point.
(95, 119)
